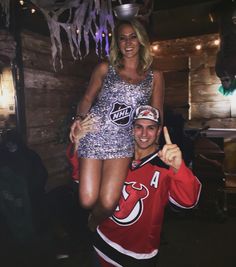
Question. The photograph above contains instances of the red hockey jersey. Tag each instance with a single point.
(135, 227)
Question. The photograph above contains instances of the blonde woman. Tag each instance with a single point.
(115, 89)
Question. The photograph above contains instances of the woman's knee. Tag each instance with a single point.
(87, 200)
(109, 203)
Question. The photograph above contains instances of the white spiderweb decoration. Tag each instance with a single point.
(85, 19)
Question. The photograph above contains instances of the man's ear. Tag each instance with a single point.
(160, 127)
(158, 133)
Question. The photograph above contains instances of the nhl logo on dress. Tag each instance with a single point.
(120, 114)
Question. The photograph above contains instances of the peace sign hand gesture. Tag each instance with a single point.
(170, 153)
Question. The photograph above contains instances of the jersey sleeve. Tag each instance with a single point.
(73, 160)
(185, 188)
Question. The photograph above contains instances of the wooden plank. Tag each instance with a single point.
(52, 98)
(206, 93)
(186, 46)
(176, 100)
(50, 81)
(175, 78)
(42, 44)
(233, 108)
(7, 47)
(42, 117)
(40, 135)
(46, 150)
(212, 122)
(35, 42)
(204, 76)
(41, 61)
(176, 88)
(207, 110)
(204, 60)
(170, 63)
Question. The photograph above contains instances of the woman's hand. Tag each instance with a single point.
(74, 130)
(80, 128)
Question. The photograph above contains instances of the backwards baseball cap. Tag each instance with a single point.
(147, 112)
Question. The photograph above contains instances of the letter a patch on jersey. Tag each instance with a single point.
(130, 206)
(155, 179)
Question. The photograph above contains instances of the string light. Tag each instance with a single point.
(155, 47)
(216, 42)
(27, 5)
(198, 47)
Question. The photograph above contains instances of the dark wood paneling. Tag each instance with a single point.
(49, 96)
(176, 93)
(51, 80)
(171, 63)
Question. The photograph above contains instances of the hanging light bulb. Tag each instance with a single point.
(211, 17)
(33, 10)
(155, 47)
(21, 2)
(198, 47)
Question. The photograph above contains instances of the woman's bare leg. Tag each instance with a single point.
(114, 172)
(89, 181)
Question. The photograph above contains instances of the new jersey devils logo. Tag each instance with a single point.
(120, 114)
(131, 203)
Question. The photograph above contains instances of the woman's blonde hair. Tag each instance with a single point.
(145, 58)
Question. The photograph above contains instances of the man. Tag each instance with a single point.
(131, 236)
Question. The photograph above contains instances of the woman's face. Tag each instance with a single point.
(128, 41)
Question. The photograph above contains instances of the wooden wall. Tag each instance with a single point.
(190, 79)
(7, 54)
(49, 96)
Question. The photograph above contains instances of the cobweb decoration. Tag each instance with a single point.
(84, 19)
(5, 4)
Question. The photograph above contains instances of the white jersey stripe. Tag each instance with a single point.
(102, 255)
(171, 199)
(124, 251)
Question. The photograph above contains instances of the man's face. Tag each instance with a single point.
(146, 133)
(226, 81)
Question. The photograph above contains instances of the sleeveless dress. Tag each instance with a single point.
(114, 109)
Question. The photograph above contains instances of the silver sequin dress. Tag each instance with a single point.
(114, 107)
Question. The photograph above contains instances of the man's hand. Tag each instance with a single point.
(170, 153)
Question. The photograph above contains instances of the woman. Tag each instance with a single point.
(118, 87)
